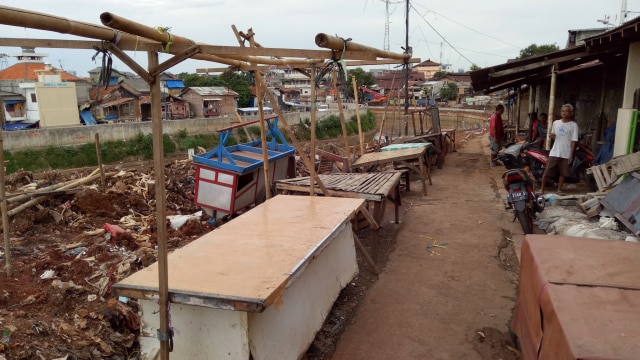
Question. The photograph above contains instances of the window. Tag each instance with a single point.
(33, 98)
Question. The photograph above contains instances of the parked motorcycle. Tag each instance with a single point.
(522, 198)
(526, 156)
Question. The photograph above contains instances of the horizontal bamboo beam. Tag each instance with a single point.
(336, 43)
(355, 63)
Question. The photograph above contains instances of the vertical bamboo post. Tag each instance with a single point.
(263, 130)
(99, 155)
(312, 155)
(355, 96)
(552, 104)
(342, 122)
(5, 217)
(292, 136)
(164, 334)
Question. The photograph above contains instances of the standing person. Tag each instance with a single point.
(496, 133)
(565, 135)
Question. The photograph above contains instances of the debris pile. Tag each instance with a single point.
(72, 238)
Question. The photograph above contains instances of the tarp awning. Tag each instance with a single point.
(175, 84)
(10, 102)
(88, 118)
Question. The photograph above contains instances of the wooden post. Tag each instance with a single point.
(552, 104)
(342, 122)
(292, 136)
(99, 155)
(312, 155)
(355, 96)
(3, 206)
(164, 334)
(263, 130)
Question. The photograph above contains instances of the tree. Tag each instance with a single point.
(537, 50)
(474, 67)
(362, 78)
(449, 91)
(439, 74)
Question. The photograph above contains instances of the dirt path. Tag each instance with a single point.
(458, 303)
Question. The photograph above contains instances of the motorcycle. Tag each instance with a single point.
(522, 198)
(527, 156)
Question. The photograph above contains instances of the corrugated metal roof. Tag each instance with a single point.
(213, 90)
(138, 84)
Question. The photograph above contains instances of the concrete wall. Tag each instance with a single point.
(78, 135)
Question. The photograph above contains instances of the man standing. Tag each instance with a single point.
(496, 133)
(565, 135)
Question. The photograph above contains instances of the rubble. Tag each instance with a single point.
(72, 239)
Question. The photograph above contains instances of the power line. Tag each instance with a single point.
(442, 37)
(472, 29)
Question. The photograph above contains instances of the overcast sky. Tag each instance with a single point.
(457, 32)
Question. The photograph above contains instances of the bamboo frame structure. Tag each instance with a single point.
(119, 34)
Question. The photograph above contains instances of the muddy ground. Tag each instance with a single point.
(71, 246)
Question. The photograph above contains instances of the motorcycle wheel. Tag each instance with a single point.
(589, 180)
(526, 221)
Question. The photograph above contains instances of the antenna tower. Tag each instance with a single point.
(386, 27)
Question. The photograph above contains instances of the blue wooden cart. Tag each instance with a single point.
(230, 179)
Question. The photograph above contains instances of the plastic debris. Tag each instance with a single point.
(113, 229)
(75, 251)
(48, 274)
(177, 221)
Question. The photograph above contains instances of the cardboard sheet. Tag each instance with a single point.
(579, 298)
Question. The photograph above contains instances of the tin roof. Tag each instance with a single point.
(212, 90)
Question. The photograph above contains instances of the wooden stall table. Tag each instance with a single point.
(578, 298)
(369, 161)
(259, 286)
(376, 187)
(435, 152)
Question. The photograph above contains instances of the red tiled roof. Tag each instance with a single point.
(27, 71)
(102, 91)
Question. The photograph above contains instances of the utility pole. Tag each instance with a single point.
(623, 12)
(407, 50)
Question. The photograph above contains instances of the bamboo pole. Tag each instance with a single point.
(263, 130)
(5, 217)
(99, 155)
(355, 96)
(335, 43)
(129, 26)
(292, 136)
(334, 80)
(312, 155)
(164, 333)
(552, 104)
(94, 175)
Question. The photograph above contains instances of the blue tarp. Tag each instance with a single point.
(18, 126)
(88, 118)
(175, 84)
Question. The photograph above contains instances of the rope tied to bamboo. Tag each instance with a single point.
(165, 30)
(336, 63)
(107, 62)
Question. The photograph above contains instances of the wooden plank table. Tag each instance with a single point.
(404, 156)
(259, 286)
(376, 187)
